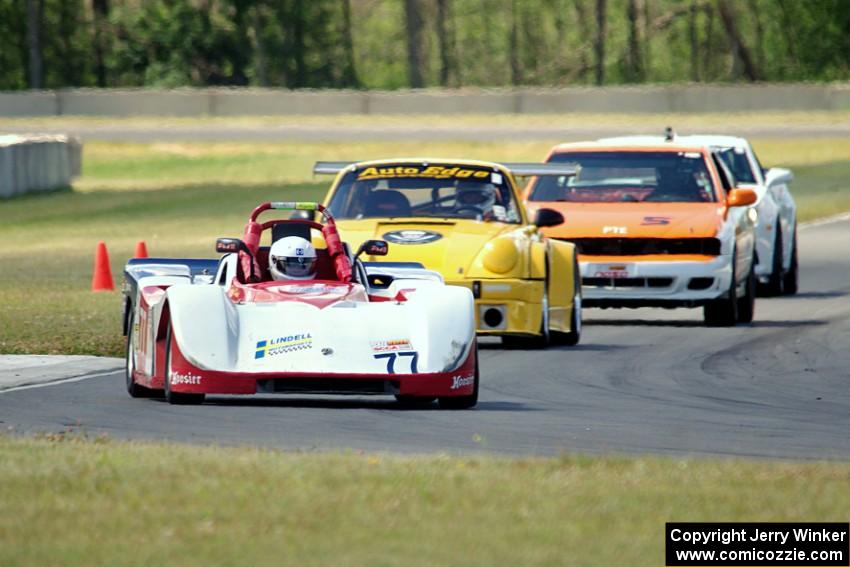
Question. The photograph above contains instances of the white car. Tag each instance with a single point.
(776, 229)
(352, 328)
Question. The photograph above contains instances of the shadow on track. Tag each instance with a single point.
(359, 404)
(580, 346)
(789, 324)
(643, 323)
(819, 294)
(670, 323)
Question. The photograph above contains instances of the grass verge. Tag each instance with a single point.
(178, 197)
(69, 501)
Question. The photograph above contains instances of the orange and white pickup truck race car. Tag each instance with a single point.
(656, 225)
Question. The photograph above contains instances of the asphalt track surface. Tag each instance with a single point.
(641, 381)
(348, 133)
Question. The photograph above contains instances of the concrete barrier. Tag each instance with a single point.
(426, 101)
(254, 101)
(29, 103)
(37, 163)
(134, 102)
(242, 102)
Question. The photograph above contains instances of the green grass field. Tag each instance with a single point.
(179, 197)
(69, 501)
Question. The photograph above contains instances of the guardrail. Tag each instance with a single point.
(257, 101)
(31, 163)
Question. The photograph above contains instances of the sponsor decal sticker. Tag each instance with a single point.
(391, 345)
(462, 381)
(652, 221)
(394, 350)
(412, 236)
(177, 378)
(430, 171)
(614, 230)
(282, 345)
(312, 289)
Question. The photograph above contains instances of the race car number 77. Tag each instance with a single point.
(391, 358)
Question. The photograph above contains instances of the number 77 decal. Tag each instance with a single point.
(391, 358)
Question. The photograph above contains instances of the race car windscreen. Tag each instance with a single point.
(417, 190)
(736, 160)
(609, 177)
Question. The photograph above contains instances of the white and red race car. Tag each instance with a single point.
(197, 327)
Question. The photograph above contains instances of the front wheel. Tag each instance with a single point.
(463, 402)
(791, 277)
(723, 311)
(177, 398)
(774, 284)
(747, 303)
(573, 337)
(135, 390)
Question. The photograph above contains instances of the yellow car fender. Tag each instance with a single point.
(562, 284)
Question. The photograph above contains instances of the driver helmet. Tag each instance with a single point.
(482, 197)
(292, 258)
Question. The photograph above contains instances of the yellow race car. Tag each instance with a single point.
(465, 220)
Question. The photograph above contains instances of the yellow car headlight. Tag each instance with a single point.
(500, 255)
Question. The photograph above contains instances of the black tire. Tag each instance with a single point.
(790, 280)
(747, 303)
(463, 402)
(135, 390)
(573, 337)
(406, 401)
(723, 311)
(176, 398)
(774, 284)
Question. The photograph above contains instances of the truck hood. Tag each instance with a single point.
(447, 246)
(635, 220)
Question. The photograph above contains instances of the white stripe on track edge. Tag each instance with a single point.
(60, 381)
(826, 220)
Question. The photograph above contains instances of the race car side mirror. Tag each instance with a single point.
(548, 217)
(740, 197)
(373, 248)
(225, 245)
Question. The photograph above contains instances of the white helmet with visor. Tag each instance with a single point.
(292, 258)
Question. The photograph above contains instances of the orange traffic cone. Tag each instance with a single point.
(102, 278)
(141, 250)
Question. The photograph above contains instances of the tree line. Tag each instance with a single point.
(391, 44)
